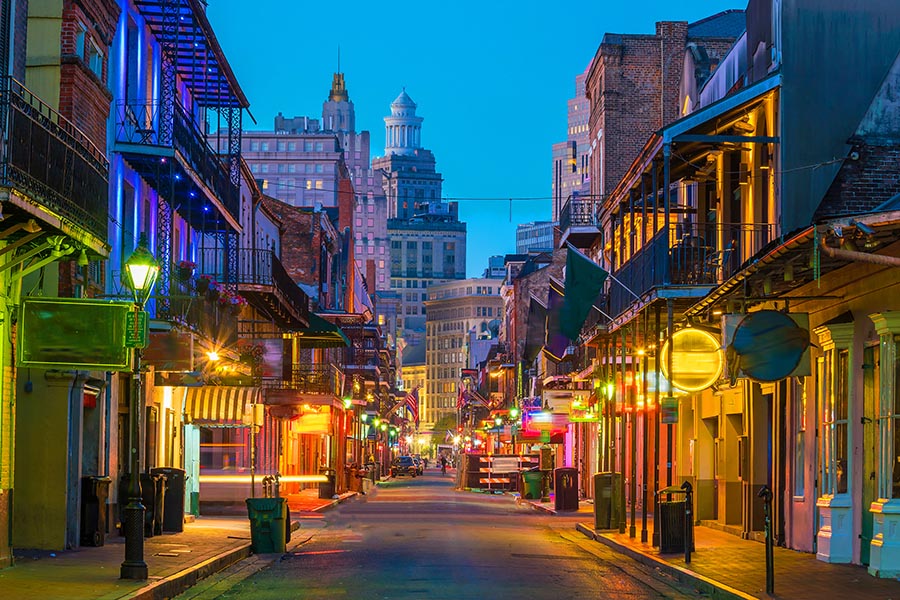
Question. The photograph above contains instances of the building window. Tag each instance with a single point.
(292, 146)
(834, 422)
(799, 437)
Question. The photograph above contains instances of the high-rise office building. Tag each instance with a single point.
(534, 236)
(427, 240)
(455, 309)
(570, 158)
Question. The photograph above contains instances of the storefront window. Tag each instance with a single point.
(799, 436)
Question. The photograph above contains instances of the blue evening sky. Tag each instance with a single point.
(491, 80)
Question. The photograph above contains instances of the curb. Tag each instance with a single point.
(173, 585)
(701, 583)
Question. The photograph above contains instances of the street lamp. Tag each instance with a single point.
(139, 275)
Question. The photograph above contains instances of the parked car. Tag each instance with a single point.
(404, 465)
(420, 465)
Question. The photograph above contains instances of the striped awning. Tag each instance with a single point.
(222, 406)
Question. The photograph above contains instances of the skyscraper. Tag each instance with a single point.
(570, 158)
(427, 240)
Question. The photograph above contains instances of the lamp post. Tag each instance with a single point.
(139, 275)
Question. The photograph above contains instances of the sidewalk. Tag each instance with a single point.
(726, 566)
(175, 561)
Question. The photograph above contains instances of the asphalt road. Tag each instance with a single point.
(420, 538)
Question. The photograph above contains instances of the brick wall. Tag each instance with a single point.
(84, 98)
(863, 184)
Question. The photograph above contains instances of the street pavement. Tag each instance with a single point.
(726, 566)
(723, 565)
(175, 561)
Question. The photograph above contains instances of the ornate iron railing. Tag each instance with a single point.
(140, 123)
(687, 255)
(52, 161)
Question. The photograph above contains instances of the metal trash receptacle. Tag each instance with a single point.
(531, 484)
(268, 526)
(327, 488)
(604, 509)
(671, 527)
(173, 499)
(94, 493)
(565, 484)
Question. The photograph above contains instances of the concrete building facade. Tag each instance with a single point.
(455, 309)
(534, 236)
(570, 158)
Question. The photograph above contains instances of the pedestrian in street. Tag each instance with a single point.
(443, 465)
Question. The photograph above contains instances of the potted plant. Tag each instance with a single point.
(203, 283)
(214, 291)
(184, 269)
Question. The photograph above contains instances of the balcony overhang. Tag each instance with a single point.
(321, 334)
(270, 299)
(580, 236)
(168, 172)
(199, 59)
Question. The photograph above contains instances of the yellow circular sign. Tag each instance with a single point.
(697, 359)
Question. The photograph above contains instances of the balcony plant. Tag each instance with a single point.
(203, 283)
(184, 269)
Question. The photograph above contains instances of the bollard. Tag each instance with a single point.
(277, 484)
(688, 520)
(766, 494)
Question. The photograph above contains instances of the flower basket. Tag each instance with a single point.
(183, 273)
(202, 285)
(212, 294)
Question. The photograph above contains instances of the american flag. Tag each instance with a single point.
(460, 397)
(412, 404)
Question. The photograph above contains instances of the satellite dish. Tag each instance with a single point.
(767, 345)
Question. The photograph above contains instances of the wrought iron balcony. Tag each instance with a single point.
(578, 220)
(53, 163)
(263, 280)
(201, 313)
(688, 257)
(180, 164)
(308, 384)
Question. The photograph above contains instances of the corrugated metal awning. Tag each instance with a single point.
(219, 406)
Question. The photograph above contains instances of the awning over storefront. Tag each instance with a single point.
(219, 406)
(321, 334)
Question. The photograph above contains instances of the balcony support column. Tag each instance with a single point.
(667, 200)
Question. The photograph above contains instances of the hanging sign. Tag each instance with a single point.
(697, 359)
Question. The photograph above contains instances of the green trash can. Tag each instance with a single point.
(268, 527)
(532, 481)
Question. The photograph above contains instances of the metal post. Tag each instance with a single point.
(688, 520)
(645, 434)
(670, 331)
(622, 432)
(766, 494)
(656, 330)
(134, 567)
(632, 530)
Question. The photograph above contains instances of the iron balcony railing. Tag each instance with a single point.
(310, 379)
(255, 268)
(687, 255)
(138, 123)
(579, 212)
(52, 161)
(201, 314)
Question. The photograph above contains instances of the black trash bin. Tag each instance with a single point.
(605, 510)
(565, 482)
(173, 501)
(326, 488)
(671, 527)
(153, 491)
(94, 492)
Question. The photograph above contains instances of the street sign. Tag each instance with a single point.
(136, 329)
(668, 410)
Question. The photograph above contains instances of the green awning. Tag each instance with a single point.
(321, 334)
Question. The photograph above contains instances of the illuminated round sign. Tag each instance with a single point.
(697, 359)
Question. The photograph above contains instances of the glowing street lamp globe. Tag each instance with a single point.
(141, 271)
